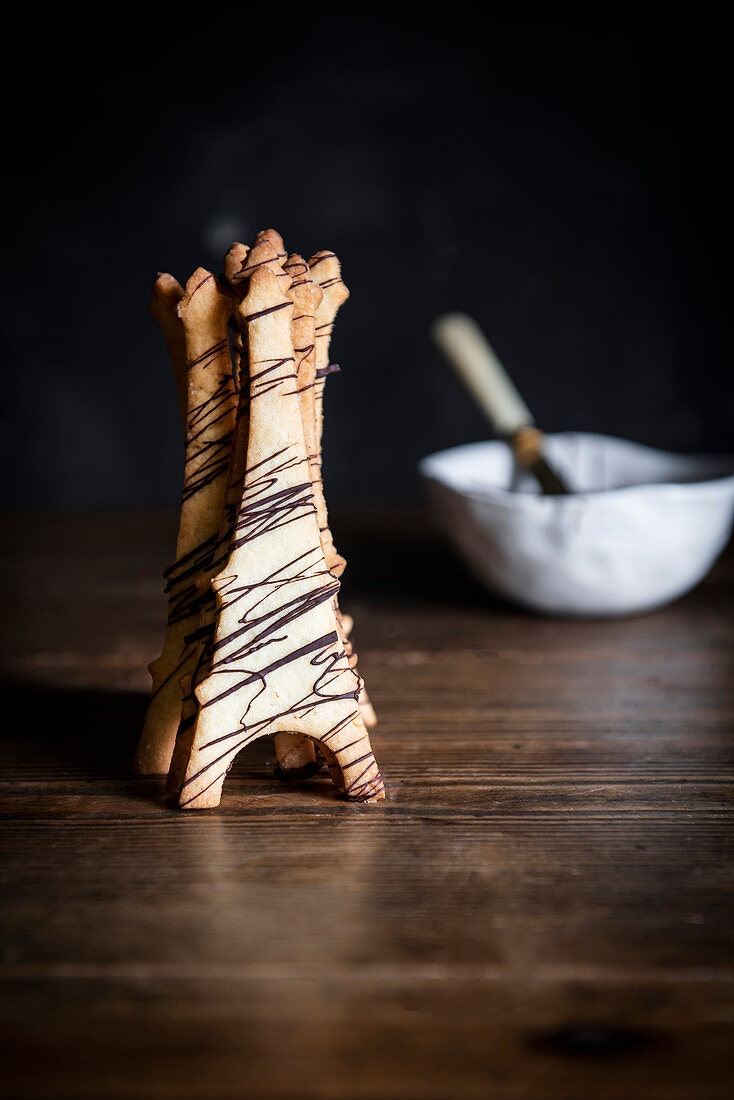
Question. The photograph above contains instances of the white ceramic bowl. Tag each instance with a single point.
(641, 527)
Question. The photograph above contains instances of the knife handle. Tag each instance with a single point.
(468, 351)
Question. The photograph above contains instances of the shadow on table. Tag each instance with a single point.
(90, 734)
(60, 725)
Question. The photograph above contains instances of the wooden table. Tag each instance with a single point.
(543, 907)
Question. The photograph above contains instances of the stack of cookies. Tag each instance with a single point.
(255, 643)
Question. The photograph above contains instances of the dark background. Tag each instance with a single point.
(567, 183)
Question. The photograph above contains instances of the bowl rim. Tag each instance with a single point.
(510, 498)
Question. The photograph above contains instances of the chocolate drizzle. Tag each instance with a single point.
(333, 368)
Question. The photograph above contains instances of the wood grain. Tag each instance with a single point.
(541, 909)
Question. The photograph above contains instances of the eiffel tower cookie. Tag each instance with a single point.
(295, 753)
(265, 253)
(203, 312)
(326, 271)
(277, 663)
